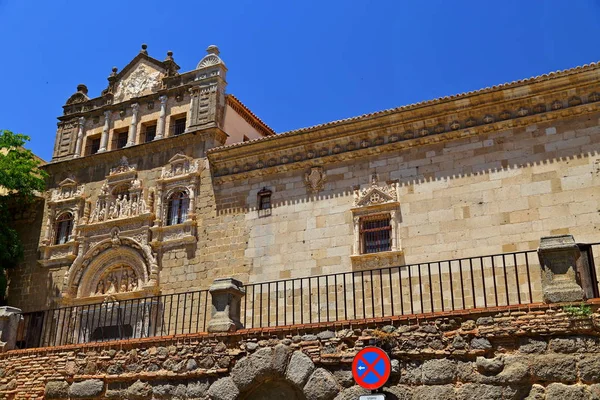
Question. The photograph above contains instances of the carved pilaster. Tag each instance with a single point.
(104, 137)
(79, 137)
(160, 131)
(133, 127)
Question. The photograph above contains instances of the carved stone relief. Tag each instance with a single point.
(315, 179)
(375, 194)
(141, 80)
(117, 279)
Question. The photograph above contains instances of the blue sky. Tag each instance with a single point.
(294, 63)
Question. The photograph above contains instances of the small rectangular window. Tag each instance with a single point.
(264, 202)
(92, 146)
(375, 233)
(121, 139)
(150, 133)
(179, 126)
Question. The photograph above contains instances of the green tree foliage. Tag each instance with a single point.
(20, 179)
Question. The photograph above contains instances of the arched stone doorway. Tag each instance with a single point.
(274, 390)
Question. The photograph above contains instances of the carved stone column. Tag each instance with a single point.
(160, 131)
(133, 127)
(104, 137)
(226, 296)
(394, 233)
(558, 258)
(79, 138)
(9, 324)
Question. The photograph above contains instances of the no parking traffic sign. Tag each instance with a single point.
(371, 368)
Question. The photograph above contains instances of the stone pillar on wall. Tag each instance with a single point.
(81, 123)
(104, 137)
(226, 296)
(160, 131)
(9, 324)
(131, 136)
(558, 258)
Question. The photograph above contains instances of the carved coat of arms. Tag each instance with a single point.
(315, 179)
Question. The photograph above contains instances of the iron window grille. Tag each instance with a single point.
(150, 133)
(375, 233)
(179, 126)
(93, 145)
(264, 202)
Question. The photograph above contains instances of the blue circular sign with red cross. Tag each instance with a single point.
(371, 368)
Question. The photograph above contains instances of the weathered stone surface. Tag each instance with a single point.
(561, 345)
(251, 346)
(479, 391)
(321, 386)
(191, 365)
(459, 342)
(438, 392)
(559, 391)
(595, 391)
(252, 368)
(401, 392)
(344, 377)
(529, 345)
(281, 356)
(481, 344)
(56, 390)
(89, 388)
(352, 393)
(197, 389)
(299, 368)
(438, 372)
(163, 389)
(411, 373)
(554, 368)
(589, 369)
(325, 335)
(223, 389)
(537, 392)
(490, 366)
(139, 391)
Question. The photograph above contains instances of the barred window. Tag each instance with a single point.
(64, 226)
(177, 208)
(150, 133)
(179, 126)
(264, 202)
(375, 233)
(92, 146)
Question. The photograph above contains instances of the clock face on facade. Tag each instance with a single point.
(141, 80)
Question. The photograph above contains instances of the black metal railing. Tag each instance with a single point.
(430, 287)
(173, 314)
(460, 284)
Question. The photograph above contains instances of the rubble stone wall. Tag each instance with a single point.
(538, 353)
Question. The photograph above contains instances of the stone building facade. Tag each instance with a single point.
(165, 182)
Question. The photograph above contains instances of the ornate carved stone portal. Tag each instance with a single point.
(114, 257)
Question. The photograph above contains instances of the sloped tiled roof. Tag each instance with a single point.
(508, 85)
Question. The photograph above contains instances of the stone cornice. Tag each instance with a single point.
(112, 156)
(464, 116)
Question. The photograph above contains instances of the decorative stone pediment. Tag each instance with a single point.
(212, 58)
(143, 78)
(375, 194)
(122, 167)
(67, 190)
(180, 166)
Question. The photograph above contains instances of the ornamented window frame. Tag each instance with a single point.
(371, 201)
(68, 197)
(182, 173)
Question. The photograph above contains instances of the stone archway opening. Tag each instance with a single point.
(273, 390)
